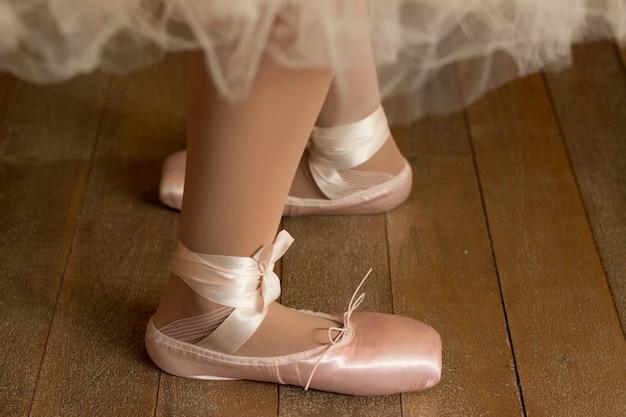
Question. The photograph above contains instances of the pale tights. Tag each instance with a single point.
(241, 163)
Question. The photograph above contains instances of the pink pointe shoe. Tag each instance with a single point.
(332, 152)
(366, 354)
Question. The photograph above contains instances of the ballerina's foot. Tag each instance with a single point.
(283, 331)
(376, 354)
(388, 162)
(242, 334)
(351, 169)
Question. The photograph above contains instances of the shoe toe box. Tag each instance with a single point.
(385, 354)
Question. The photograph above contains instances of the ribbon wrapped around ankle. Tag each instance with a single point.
(249, 285)
(340, 147)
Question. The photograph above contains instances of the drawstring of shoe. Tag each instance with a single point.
(346, 331)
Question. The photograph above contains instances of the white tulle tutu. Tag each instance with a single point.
(421, 47)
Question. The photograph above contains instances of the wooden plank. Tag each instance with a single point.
(443, 274)
(11, 88)
(57, 121)
(40, 194)
(187, 397)
(95, 361)
(567, 340)
(589, 100)
(320, 272)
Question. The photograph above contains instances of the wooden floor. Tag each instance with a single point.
(512, 246)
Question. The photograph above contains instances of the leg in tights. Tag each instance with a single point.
(353, 95)
(241, 161)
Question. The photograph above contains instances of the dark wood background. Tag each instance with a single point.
(512, 246)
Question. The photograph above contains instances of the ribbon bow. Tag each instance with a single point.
(245, 320)
(342, 332)
(346, 330)
(267, 257)
(248, 285)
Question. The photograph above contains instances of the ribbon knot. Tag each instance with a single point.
(248, 285)
(266, 258)
(344, 332)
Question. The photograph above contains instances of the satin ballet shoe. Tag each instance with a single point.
(379, 198)
(366, 353)
(331, 155)
(173, 180)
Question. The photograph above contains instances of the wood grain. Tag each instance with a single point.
(590, 103)
(95, 362)
(494, 249)
(443, 273)
(188, 397)
(566, 336)
(11, 88)
(40, 196)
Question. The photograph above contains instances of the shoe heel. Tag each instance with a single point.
(176, 361)
(399, 193)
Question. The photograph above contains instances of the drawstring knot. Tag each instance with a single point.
(345, 332)
(267, 257)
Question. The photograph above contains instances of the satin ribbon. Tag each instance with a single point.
(346, 146)
(249, 285)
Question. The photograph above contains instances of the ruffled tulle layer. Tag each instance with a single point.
(434, 55)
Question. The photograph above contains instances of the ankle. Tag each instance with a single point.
(179, 301)
(303, 185)
(388, 159)
(335, 152)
